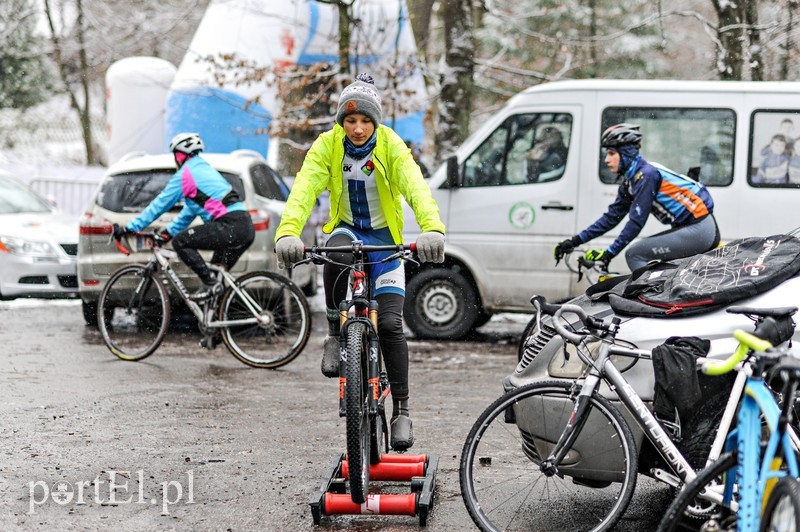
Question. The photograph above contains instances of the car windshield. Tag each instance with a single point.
(16, 197)
(132, 191)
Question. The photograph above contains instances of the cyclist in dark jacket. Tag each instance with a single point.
(647, 189)
(228, 229)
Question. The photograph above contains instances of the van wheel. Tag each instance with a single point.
(89, 313)
(441, 304)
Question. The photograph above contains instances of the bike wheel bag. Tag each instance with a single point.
(701, 283)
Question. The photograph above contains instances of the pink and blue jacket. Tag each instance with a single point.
(206, 193)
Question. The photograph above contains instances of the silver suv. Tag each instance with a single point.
(130, 184)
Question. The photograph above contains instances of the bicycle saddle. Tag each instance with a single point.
(776, 312)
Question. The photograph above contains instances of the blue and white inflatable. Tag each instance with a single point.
(275, 35)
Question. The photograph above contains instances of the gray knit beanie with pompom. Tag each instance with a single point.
(361, 96)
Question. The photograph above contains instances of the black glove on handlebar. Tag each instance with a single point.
(564, 247)
(162, 237)
(119, 231)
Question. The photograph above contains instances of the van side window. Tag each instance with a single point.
(774, 149)
(526, 148)
(695, 142)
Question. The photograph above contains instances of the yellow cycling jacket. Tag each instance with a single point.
(396, 174)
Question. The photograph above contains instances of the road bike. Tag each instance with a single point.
(760, 452)
(548, 442)
(262, 317)
(363, 384)
(593, 271)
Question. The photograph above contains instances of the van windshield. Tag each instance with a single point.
(694, 142)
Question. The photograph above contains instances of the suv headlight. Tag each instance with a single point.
(570, 366)
(26, 248)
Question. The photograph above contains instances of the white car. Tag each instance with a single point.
(38, 245)
(130, 184)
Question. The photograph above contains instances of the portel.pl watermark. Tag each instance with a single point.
(113, 488)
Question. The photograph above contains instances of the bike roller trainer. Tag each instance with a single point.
(417, 469)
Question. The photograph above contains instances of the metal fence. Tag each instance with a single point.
(71, 196)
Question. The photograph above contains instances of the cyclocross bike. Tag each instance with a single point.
(262, 317)
(550, 442)
(748, 472)
(594, 271)
(363, 384)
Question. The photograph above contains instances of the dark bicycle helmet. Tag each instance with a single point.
(188, 143)
(620, 135)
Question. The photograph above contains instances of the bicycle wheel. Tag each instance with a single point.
(783, 507)
(501, 481)
(712, 477)
(284, 320)
(357, 413)
(133, 312)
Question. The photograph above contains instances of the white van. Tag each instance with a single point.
(505, 212)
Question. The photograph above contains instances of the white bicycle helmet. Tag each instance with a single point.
(188, 143)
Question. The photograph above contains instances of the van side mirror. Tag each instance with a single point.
(453, 174)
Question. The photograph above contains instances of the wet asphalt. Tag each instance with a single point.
(190, 439)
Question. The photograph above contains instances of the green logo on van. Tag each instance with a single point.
(521, 215)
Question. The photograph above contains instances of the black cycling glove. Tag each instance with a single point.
(564, 247)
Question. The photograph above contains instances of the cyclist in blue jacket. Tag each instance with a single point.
(228, 229)
(647, 189)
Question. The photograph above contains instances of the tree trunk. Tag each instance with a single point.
(420, 13)
(344, 38)
(754, 38)
(729, 48)
(788, 45)
(84, 114)
(455, 101)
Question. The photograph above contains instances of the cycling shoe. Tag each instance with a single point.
(402, 433)
(330, 357)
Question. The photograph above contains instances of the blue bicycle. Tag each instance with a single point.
(758, 471)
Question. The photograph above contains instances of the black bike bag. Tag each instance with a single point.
(701, 283)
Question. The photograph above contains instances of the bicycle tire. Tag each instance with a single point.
(133, 323)
(676, 517)
(783, 507)
(357, 414)
(502, 485)
(283, 334)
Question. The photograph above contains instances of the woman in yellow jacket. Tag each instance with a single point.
(368, 170)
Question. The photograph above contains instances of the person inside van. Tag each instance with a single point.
(775, 164)
(368, 169)
(227, 229)
(646, 189)
(546, 160)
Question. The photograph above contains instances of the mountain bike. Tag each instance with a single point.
(548, 442)
(363, 384)
(261, 317)
(748, 472)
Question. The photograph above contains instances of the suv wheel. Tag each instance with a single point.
(89, 313)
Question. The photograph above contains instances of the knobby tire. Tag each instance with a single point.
(357, 414)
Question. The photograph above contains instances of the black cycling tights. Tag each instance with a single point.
(390, 318)
(228, 236)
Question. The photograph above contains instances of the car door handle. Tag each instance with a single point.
(557, 207)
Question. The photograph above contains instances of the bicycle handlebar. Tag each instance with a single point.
(574, 338)
(363, 247)
(747, 342)
(152, 238)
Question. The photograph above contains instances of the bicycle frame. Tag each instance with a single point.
(160, 263)
(756, 480)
